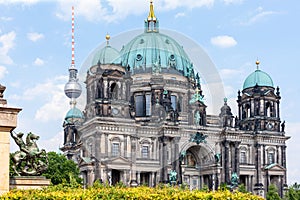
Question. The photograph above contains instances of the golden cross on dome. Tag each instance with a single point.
(151, 15)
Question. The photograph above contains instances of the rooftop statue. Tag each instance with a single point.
(29, 160)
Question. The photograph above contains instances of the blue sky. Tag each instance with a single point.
(35, 51)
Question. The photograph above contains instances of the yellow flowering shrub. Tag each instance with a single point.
(119, 193)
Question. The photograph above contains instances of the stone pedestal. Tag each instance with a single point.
(28, 182)
(8, 122)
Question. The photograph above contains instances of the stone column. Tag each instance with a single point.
(163, 159)
(237, 157)
(106, 145)
(176, 159)
(226, 161)
(258, 163)
(125, 146)
(8, 122)
(133, 177)
(283, 158)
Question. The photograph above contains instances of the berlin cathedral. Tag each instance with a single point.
(145, 119)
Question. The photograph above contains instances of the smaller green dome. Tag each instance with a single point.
(107, 55)
(259, 78)
(74, 113)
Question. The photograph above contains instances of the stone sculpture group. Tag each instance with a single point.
(29, 160)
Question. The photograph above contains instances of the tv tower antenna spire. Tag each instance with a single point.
(73, 88)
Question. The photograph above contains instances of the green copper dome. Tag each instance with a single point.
(74, 113)
(152, 51)
(106, 55)
(259, 78)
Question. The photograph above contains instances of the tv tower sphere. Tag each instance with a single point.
(73, 89)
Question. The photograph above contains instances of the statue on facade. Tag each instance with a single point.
(198, 138)
(282, 126)
(234, 180)
(29, 160)
(217, 157)
(173, 177)
(197, 117)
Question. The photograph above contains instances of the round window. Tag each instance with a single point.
(172, 57)
(139, 57)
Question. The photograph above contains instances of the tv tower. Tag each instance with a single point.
(73, 88)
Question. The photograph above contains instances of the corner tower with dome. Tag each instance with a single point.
(145, 117)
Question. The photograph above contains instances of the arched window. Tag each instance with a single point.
(243, 155)
(115, 147)
(100, 89)
(271, 155)
(114, 91)
(174, 102)
(248, 112)
(145, 149)
(268, 109)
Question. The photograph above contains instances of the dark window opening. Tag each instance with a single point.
(114, 91)
(143, 105)
(174, 102)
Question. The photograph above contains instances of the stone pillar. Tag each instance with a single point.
(237, 157)
(226, 161)
(133, 181)
(163, 159)
(8, 122)
(106, 146)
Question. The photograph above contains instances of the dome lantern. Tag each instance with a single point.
(151, 23)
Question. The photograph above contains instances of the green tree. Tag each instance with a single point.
(293, 192)
(272, 194)
(62, 170)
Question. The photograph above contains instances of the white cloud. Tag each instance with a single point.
(18, 1)
(6, 19)
(92, 10)
(52, 144)
(229, 73)
(258, 15)
(35, 36)
(38, 62)
(180, 14)
(3, 71)
(233, 1)
(223, 41)
(7, 41)
(51, 94)
(54, 108)
(173, 4)
(114, 10)
(292, 129)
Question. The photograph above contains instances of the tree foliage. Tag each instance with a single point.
(61, 170)
(293, 192)
(272, 194)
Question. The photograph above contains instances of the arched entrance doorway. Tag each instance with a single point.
(198, 167)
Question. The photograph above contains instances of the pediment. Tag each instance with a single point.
(274, 167)
(120, 160)
(84, 160)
